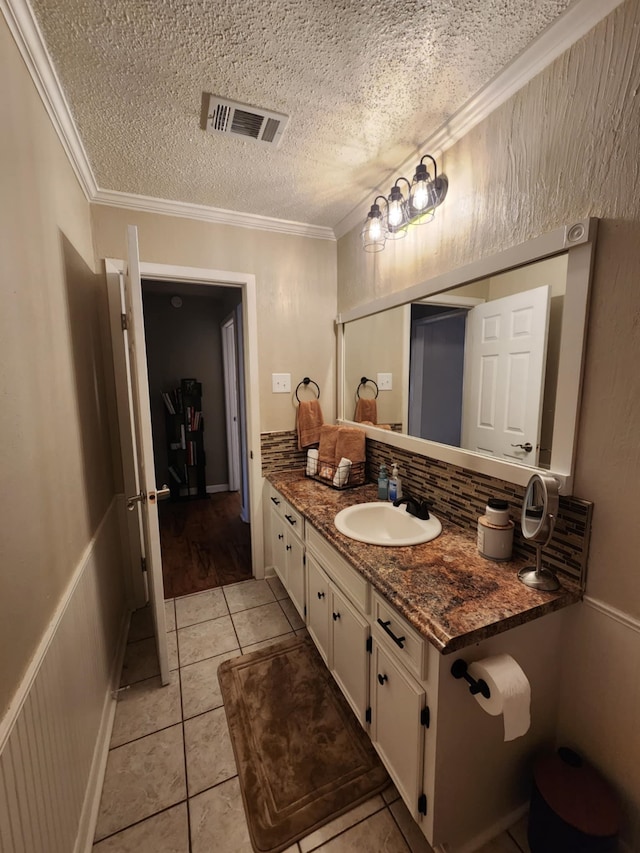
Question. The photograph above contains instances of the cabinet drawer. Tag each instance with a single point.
(276, 501)
(410, 647)
(344, 576)
(294, 520)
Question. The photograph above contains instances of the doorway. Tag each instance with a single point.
(140, 584)
(196, 436)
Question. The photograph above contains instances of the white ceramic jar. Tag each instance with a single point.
(495, 531)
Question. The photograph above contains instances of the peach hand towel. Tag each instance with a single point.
(366, 410)
(327, 449)
(350, 444)
(309, 422)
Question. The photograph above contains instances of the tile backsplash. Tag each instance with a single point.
(459, 496)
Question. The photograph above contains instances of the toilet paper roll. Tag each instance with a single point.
(510, 693)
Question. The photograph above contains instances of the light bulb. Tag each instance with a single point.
(420, 196)
(375, 228)
(395, 212)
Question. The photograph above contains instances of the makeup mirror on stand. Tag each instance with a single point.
(539, 513)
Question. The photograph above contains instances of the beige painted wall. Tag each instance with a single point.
(564, 147)
(296, 292)
(375, 345)
(56, 450)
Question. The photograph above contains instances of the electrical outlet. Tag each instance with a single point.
(281, 383)
(385, 382)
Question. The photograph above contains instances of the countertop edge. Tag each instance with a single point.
(429, 627)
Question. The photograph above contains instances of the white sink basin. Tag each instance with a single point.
(382, 523)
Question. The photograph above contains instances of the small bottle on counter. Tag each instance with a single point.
(383, 483)
(395, 484)
(495, 531)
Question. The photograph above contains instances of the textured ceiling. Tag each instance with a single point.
(364, 85)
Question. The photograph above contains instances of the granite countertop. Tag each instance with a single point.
(444, 588)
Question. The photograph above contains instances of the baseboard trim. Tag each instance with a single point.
(93, 793)
(219, 487)
(15, 706)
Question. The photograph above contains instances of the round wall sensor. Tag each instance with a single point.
(176, 301)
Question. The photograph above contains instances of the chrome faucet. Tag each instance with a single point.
(414, 507)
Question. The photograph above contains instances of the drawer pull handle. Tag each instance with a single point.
(288, 547)
(382, 679)
(399, 641)
(276, 501)
(290, 519)
(336, 616)
(280, 535)
(321, 595)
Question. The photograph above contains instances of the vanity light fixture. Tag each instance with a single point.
(424, 195)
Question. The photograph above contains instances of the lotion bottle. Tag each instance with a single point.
(395, 484)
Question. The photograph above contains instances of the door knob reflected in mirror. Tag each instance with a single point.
(527, 446)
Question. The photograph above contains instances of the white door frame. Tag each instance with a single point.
(231, 411)
(168, 272)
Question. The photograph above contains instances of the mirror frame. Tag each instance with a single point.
(578, 240)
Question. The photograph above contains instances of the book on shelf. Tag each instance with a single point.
(174, 473)
(183, 443)
(166, 396)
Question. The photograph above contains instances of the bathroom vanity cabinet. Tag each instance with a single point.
(337, 620)
(460, 781)
(287, 548)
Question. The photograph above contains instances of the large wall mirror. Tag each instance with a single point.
(484, 362)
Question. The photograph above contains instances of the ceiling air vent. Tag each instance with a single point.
(229, 117)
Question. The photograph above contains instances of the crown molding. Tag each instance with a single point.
(28, 37)
(148, 204)
(27, 34)
(569, 28)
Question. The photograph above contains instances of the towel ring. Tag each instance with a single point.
(306, 381)
(364, 381)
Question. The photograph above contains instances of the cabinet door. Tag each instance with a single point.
(350, 659)
(396, 730)
(318, 607)
(278, 546)
(295, 571)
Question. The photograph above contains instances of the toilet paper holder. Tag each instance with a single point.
(459, 669)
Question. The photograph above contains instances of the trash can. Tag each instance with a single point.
(573, 810)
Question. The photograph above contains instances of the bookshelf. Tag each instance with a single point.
(185, 445)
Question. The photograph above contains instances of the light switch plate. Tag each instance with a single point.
(385, 381)
(281, 383)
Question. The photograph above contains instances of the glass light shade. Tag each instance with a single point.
(373, 233)
(423, 197)
(397, 215)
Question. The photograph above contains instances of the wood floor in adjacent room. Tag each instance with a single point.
(205, 544)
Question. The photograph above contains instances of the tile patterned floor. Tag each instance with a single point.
(171, 784)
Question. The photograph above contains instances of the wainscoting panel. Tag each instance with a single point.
(57, 728)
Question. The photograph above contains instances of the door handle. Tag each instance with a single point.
(527, 447)
(139, 498)
(159, 494)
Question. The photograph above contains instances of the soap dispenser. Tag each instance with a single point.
(395, 484)
(383, 483)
